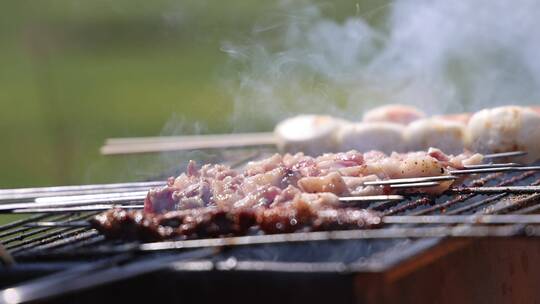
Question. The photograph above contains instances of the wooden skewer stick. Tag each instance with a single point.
(125, 146)
(184, 138)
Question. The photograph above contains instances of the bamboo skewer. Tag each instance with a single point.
(156, 144)
(140, 145)
(184, 138)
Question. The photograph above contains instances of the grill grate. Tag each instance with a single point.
(20, 238)
(65, 248)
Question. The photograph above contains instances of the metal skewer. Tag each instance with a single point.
(79, 200)
(72, 224)
(418, 181)
(371, 198)
(103, 197)
(75, 203)
(505, 154)
(30, 193)
(132, 202)
(415, 185)
(103, 207)
(496, 169)
(492, 165)
(410, 180)
(422, 182)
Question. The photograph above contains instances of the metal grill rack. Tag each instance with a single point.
(52, 256)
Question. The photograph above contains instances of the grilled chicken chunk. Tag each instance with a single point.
(281, 177)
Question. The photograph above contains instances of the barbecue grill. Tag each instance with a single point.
(474, 244)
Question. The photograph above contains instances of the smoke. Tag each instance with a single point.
(443, 56)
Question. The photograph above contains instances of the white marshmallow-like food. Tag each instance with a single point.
(381, 136)
(311, 134)
(505, 129)
(396, 113)
(446, 135)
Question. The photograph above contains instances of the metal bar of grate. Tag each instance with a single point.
(20, 222)
(26, 240)
(465, 197)
(24, 235)
(45, 239)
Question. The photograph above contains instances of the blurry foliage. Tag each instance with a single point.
(76, 72)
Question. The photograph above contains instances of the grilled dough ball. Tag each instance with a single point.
(382, 136)
(396, 113)
(311, 134)
(460, 117)
(504, 129)
(447, 135)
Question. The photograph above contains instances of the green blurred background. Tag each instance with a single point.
(74, 73)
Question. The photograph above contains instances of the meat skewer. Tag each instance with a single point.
(280, 194)
(68, 204)
(281, 177)
(215, 222)
(387, 128)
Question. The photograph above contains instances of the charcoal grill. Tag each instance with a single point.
(411, 261)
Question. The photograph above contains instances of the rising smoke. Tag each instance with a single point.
(444, 56)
